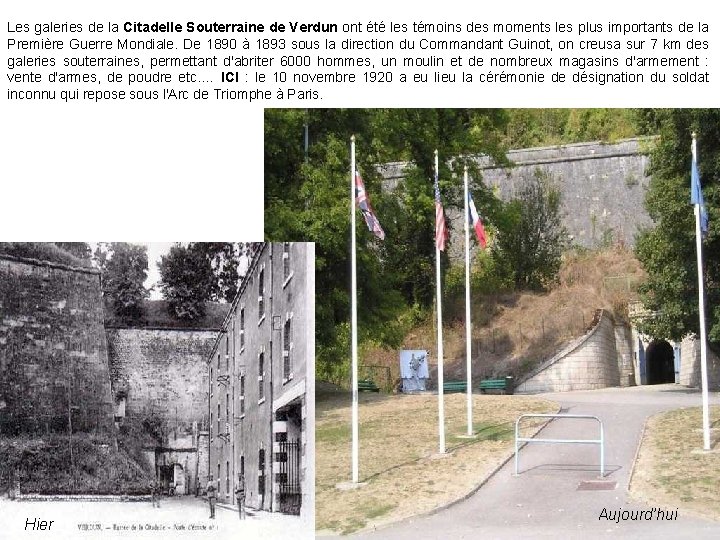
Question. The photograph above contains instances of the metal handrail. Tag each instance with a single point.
(600, 441)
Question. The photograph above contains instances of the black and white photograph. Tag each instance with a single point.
(158, 390)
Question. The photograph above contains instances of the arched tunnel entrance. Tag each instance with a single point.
(659, 362)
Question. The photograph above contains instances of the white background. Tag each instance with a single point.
(165, 171)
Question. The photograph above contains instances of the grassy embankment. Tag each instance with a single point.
(515, 331)
(672, 470)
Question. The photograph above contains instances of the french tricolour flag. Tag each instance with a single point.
(476, 222)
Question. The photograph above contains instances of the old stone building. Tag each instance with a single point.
(68, 365)
(260, 406)
(159, 379)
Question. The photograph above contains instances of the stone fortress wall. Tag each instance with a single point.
(54, 364)
(161, 372)
(61, 360)
(603, 188)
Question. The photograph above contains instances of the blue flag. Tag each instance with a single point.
(696, 196)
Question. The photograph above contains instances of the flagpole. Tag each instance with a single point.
(701, 311)
(468, 320)
(353, 323)
(441, 404)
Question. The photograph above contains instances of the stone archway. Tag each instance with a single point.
(659, 362)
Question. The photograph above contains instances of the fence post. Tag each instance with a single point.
(517, 423)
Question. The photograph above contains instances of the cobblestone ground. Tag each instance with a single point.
(177, 517)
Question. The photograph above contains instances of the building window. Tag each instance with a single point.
(218, 477)
(261, 296)
(218, 367)
(287, 350)
(227, 477)
(242, 329)
(242, 395)
(286, 261)
(261, 376)
(218, 419)
(242, 465)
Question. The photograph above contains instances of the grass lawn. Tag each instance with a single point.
(670, 471)
(398, 438)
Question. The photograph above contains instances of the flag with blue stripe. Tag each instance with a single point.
(696, 196)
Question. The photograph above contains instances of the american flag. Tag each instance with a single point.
(366, 208)
(441, 233)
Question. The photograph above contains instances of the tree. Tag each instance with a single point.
(187, 281)
(667, 251)
(224, 260)
(545, 127)
(200, 272)
(531, 240)
(124, 268)
(307, 199)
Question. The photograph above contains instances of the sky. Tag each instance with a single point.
(155, 250)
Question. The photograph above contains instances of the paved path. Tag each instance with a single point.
(177, 518)
(544, 502)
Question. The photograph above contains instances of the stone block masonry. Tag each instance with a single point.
(588, 363)
(623, 345)
(53, 355)
(690, 373)
(161, 373)
(602, 187)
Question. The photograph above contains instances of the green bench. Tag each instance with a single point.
(367, 386)
(452, 387)
(503, 385)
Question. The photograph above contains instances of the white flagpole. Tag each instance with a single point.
(701, 311)
(468, 321)
(353, 323)
(441, 404)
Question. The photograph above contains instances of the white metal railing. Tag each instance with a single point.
(600, 441)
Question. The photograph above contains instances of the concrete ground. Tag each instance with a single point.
(177, 517)
(543, 501)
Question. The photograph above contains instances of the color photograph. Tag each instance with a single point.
(518, 324)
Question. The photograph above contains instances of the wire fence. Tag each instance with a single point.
(528, 333)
